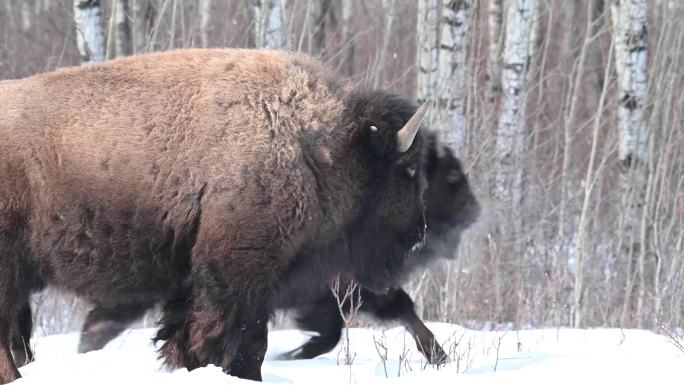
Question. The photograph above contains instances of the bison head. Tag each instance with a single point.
(451, 206)
(392, 223)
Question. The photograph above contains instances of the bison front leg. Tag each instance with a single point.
(228, 320)
(234, 271)
(11, 298)
(323, 317)
(104, 323)
(21, 336)
(199, 334)
(8, 370)
(396, 305)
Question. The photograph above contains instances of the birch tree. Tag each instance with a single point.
(427, 52)
(378, 74)
(347, 29)
(119, 34)
(275, 28)
(451, 85)
(204, 17)
(26, 16)
(268, 27)
(629, 19)
(89, 31)
(494, 26)
(141, 13)
(325, 13)
(518, 52)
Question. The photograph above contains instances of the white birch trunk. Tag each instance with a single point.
(348, 34)
(427, 52)
(521, 23)
(629, 18)
(123, 43)
(136, 26)
(275, 27)
(204, 18)
(119, 33)
(26, 16)
(89, 31)
(494, 24)
(629, 36)
(259, 17)
(379, 71)
(451, 84)
(518, 52)
(268, 31)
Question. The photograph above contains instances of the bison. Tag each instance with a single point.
(450, 208)
(203, 180)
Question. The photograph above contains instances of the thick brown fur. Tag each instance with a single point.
(195, 178)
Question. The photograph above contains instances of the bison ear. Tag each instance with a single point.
(407, 133)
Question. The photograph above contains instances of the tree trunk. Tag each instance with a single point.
(494, 24)
(518, 52)
(324, 12)
(452, 74)
(348, 25)
(204, 19)
(119, 35)
(123, 43)
(567, 227)
(89, 31)
(521, 22)
(275, 27)
(378, 74)
(427, 54)
(267, 24)
(26, 16)
(629, 19)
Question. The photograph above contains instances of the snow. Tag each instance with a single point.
(563, 356)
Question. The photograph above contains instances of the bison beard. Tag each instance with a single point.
(200, 179)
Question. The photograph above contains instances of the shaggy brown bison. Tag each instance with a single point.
(204, 180)
(450, 208)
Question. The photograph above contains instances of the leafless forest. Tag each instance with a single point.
(568, 116)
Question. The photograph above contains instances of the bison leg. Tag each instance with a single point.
(239, 350)
(238, 256)
(398, 306)
(228, 326)
(103, 324)
(174, 331)
(10, 294)
(8, 370)
(21, 336)
(322, 317)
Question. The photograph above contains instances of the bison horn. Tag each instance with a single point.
(407, 133)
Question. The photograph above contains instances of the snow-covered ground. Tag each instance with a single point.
(549, 356)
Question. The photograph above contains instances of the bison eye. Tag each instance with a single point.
(454, 177)
(411, 170)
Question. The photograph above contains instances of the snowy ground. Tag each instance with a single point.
(578, 357)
